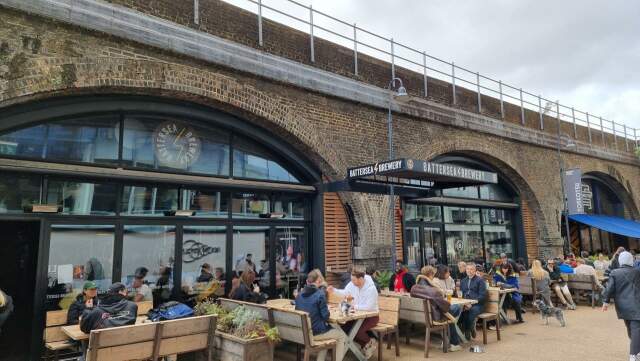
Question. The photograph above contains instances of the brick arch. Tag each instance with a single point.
(98, 75)
(620, 190)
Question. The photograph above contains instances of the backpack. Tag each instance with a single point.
(170, 311)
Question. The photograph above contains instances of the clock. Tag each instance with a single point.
(176, 145)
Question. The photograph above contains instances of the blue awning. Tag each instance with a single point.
(621, 226)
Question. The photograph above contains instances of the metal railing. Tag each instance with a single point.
(624, 138)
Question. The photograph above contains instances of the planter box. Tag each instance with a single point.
(232, 348)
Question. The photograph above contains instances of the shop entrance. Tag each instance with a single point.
(18, 259)
(424, 244)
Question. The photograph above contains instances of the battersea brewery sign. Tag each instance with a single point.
(421, 169)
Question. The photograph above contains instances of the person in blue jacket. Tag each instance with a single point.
(505, 278)
(473, 287)
(564, 267)
(313, 300)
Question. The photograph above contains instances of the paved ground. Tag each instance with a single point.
(590, 335)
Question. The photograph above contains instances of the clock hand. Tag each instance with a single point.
(178, 136)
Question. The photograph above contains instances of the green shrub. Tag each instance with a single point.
(241, 322)
(383, 278)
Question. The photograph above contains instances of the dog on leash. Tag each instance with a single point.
(549, 311)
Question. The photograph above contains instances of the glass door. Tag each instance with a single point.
(413, 249)
(432, 243)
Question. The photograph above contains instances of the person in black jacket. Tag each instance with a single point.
(114, 310)
(246, 290)
(84, 301)
(473, 287)
(313, 300)
(403, 280)
(624, 286)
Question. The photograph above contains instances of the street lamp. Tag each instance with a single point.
(565, 211)
(401, 95)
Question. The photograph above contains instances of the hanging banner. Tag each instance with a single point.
(572, 179)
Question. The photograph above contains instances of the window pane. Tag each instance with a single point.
(206, 203)
(494, 192)
(253, 161)
(148, 262)
(175, 145)
(422, 212)
(292, 207)
(92, 140)
(18, 191)
(464, 243)
(250, 205)
(27, 142)
(290, 259)
(251, 246)
(496, 216)
(83, 198)
(412, 246)
(462, 192)
(203, 262)
(78, 253)
(498, 240)
(142, 200)
(461, 215)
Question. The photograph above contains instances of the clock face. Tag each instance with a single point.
(176, 145)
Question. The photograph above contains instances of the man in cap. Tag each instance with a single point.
(624, 286)
(114, 310)
(84, 301)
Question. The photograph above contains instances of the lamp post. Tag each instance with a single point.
(565, 211)
(400, 94)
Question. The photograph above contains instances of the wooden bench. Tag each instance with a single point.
(153, 340)
(418, 311)
(491, 313)
(528, 287)
(389, 308)
(295, 326)
(55, 340)
(580, 283)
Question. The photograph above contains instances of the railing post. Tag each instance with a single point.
(635, 137)
(393, 61)
(626, 144)
(355, 49)
(521, 108)
(589, 127)
(615, 138)
(313, 57)
(424, 67)
(575, 128)
(196, 12)
(453, 81)
(501, 101)
(602, 132)
(559, 121)
(260, 40)
(479, 93)
(540, 112)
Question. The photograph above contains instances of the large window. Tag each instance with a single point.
(78, 253)
(83, 198)
(251, 160)
(18, 191)
(148, 201)
(204, 261)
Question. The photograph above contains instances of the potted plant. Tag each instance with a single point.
(241, 334)
(383, 278)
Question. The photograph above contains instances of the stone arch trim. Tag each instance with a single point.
(619, 188)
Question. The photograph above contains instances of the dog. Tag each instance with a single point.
(549, 311)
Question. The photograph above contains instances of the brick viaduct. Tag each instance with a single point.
(57, 48)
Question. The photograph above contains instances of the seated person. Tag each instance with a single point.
(402, 281)
(444, 280)
(141, 290)
(114, 310)
(427, 287)
(246, 290)
(473, 287)
(559, 285)
(313, 300)
(505, 278)
(365, 298)
(543, 281)
(84, 301)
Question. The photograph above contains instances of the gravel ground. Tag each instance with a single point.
(590, 335)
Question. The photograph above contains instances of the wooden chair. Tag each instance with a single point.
(528, 287)
(55, 340)
(153, 340)
(389, 308)
(491, 313)
(418, 311)
(295, 326)
(581, 283)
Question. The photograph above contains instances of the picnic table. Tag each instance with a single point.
(336, 320)
(454, 301)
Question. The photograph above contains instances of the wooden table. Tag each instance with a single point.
(74, 332)
(336, 320)
(503, 294)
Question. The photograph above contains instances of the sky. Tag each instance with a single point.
(584, 54)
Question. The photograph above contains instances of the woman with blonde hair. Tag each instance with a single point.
(542, 281)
